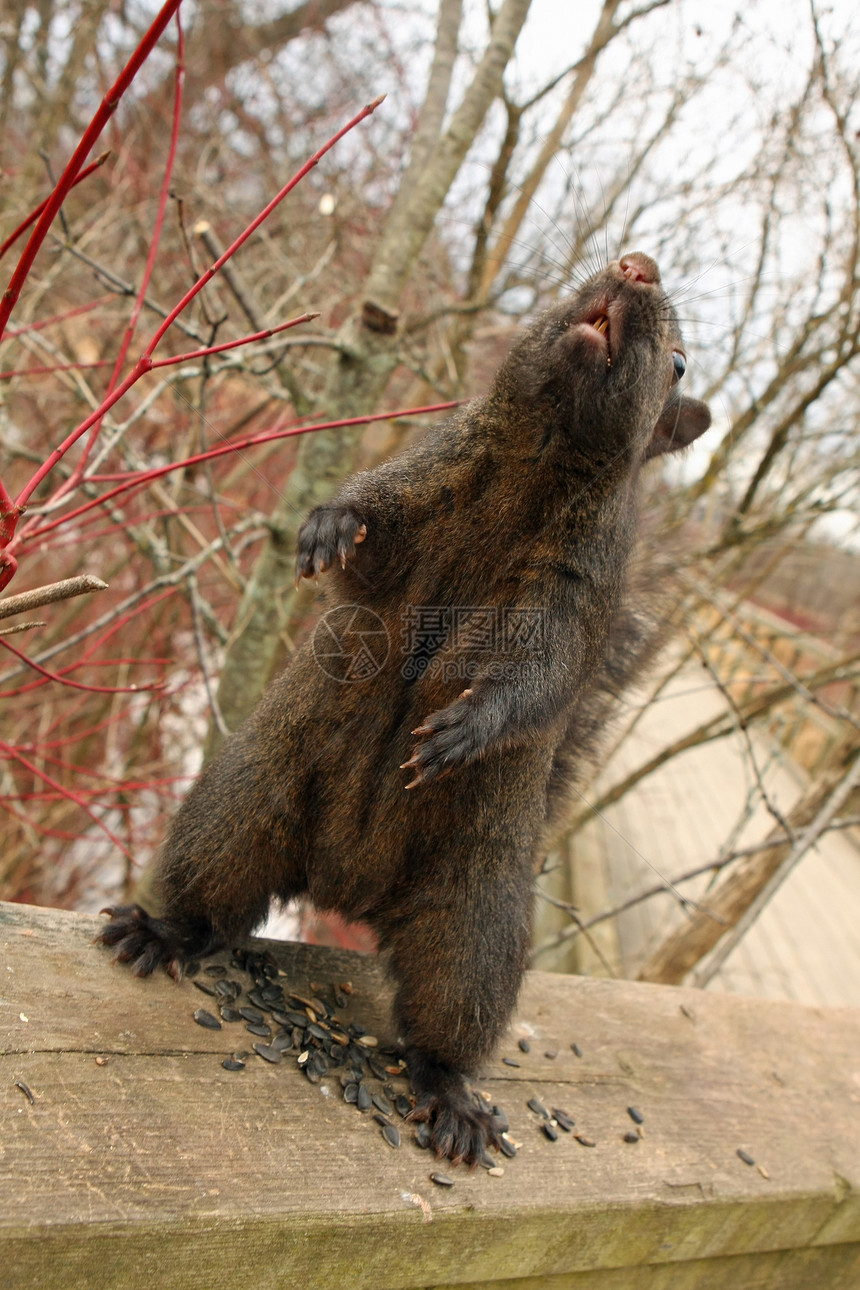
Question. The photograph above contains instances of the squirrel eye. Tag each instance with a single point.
(679, 363)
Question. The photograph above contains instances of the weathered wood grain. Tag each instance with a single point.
(159, 1167)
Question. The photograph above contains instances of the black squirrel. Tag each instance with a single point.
(475, 605)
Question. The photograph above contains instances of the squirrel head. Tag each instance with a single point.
(602, 369)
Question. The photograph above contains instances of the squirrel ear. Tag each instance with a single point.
(681, 421)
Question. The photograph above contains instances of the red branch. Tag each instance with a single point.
(255, 223)
(10, 511)
(105, 111)
(67, 313)
(179, 81)
(34, 214)
(74, 685)
(16, 755)
(141, 478)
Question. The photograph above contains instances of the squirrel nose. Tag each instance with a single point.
(639, 268)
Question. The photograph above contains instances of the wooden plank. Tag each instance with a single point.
(159, 1167)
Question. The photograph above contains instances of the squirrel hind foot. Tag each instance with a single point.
(459, 1131)
(144, 942)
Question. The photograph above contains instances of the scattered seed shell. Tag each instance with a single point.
(441, 1180)
(205, 1019)
(745, 1156)
(509, 1061)
(586, 1142)
(538, 1107)
(576, 1050)
(391, 1134)
(636, 1116)
(524, 1046)
(422, 1136)
(268, 1054)
(550, 1131)
(631, 1136)
(232, 1064)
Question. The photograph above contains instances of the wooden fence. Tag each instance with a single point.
(130, 1158)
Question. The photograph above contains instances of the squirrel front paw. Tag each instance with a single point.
(329, 533)
(450, 738)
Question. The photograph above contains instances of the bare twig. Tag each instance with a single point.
(47, 595)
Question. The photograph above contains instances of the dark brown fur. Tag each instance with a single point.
(526, 499)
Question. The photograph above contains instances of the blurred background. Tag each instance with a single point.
(718, 841)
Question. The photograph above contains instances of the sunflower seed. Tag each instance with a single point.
(441, 1180)
(636, 1116)
(391, 1134)
(228, 989)
(267, 1053)
(205, 1019)
(422, 1136)
(264, 1031)
(232, 1064)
